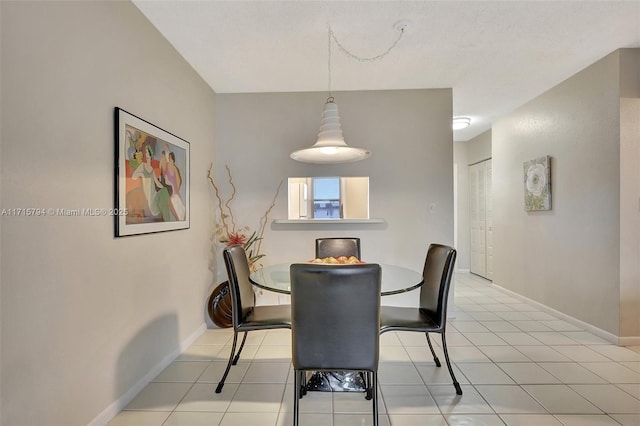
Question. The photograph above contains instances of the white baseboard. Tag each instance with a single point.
(463, 271)
(116, 406)
(609, 337)
(629, 341)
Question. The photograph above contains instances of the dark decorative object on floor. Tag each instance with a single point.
(219, 306)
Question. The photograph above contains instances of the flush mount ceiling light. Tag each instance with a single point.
(461, 122)
(330, 147)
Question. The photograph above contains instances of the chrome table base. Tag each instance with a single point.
(336, 381)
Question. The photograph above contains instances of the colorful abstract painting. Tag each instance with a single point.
(152, 177)
(537, 184)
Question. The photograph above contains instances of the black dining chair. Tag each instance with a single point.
(431, 316)
(329, 332)
(246, 316)
(336, 247)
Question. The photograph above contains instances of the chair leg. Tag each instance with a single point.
(367, 385)
(237, 357)
(302, 387)
(303, 376)
(374, 396)
(296, 395)
(233, 351)
(435, 358)
(446, 357)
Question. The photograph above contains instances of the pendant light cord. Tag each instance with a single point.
(356, 57)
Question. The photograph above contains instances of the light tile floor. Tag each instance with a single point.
(517, 365)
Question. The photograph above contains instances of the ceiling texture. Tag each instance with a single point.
(495, 55)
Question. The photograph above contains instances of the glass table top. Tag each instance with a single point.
(395, 279)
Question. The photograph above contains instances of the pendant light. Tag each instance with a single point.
(331, 148)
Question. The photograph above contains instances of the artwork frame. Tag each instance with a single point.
(152, 177)
(537, 184)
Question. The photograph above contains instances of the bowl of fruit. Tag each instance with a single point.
(341, 260)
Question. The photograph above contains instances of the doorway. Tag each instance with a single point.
(481, 219)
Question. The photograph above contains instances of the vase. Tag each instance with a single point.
(219, 306)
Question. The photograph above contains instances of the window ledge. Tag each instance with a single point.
(332, 221)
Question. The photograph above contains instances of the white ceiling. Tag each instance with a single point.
(496, 55)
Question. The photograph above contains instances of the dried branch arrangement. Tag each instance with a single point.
(227, 230)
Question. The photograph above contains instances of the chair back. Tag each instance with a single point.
(335, 316)
(336, 247)
(437, 274)
(242, 296)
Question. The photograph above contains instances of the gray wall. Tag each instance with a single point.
(567, 258)
(409, 133)
(629, 217)
(630, 193)
(86, 317)
(479, 148)
(461, 168)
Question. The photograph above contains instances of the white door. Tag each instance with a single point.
(489, 220)
(480, 217)
(477, 219)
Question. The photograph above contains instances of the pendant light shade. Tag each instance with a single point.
(330, 147)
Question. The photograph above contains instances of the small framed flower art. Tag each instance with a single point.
(537, 184)
(151, 177)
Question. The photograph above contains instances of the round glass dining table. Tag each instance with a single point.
(395, 279)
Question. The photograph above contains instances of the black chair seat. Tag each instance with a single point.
(245, 315)
(431, 316)
(406, 319)
(267, 317)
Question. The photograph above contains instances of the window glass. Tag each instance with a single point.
(326, 198)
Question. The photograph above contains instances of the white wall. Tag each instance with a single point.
(356, 197)
(86, 317)
(409, 133)
(567, 258)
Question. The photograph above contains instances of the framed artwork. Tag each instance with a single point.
(151, 177)
(537, 184)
